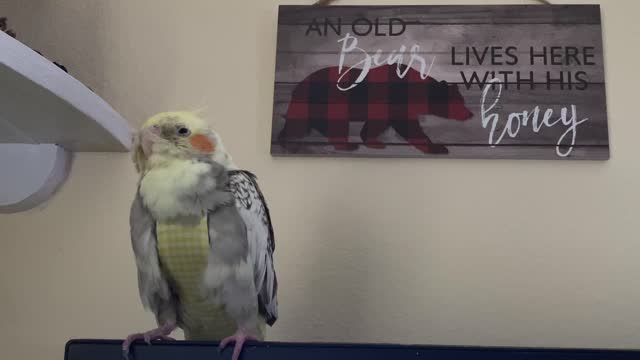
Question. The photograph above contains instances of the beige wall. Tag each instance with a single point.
(537, 253)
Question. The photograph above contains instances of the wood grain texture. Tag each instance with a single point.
(439, 40)
(592, 132)
(437, 30)
(459, 152)
(293, 68)
(448, 14)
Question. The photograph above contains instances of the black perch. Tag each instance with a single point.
(112, 350)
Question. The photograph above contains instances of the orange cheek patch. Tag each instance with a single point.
(202, 143)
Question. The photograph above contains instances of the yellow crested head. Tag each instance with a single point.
(177, 135)
(190, 119)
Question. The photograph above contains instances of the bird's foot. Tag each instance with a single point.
(239, 338)
(161, 333)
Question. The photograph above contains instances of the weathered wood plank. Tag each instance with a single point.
(295, 67)
(510, 95)
(471, 132)
(460, 152)
(438, 40)
(447, 14)
(593, 132)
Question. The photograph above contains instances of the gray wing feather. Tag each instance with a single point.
(255, 213)
(228, 279)
(154, 289)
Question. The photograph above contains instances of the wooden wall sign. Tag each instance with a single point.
(516, 81)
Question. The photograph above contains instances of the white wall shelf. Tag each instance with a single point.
(42, 104)
(45, 114)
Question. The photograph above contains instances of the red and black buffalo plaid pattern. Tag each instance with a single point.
(382, 100)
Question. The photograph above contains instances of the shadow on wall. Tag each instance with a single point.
(119, 49)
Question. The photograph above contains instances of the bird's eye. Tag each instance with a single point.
(183, 131)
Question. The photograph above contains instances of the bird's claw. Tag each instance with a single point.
(239, 338)
(148, 338)
(161, 333)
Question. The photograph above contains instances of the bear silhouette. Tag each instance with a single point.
(383, 99)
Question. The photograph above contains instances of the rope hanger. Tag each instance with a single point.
(328, 2)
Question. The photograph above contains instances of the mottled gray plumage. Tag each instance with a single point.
(254, 211)
(241, 244)
(230, 250)
(155, 293)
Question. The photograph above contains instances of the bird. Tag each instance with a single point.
(202, 237)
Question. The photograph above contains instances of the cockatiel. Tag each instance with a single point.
(201, 235)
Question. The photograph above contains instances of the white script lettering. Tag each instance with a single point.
(350, 46)
(516, 120)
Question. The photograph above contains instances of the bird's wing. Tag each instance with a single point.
(255, 214)
(155, 292)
